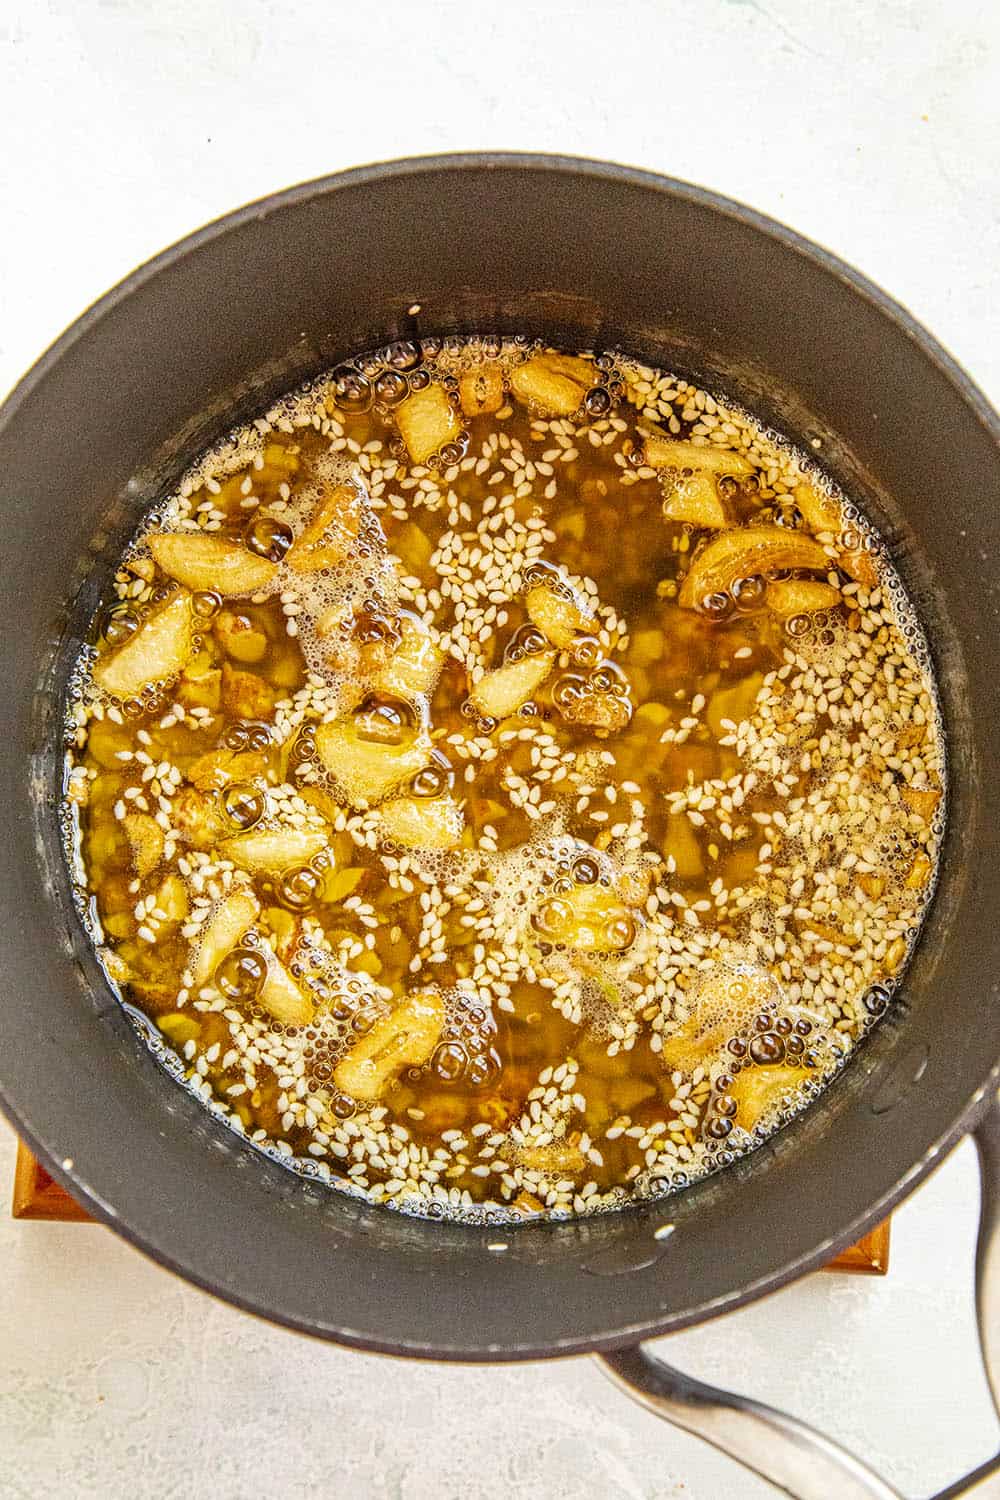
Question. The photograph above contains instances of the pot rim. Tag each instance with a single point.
(302, 192)
(621, 1338)
(856, 283)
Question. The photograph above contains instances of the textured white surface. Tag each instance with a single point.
(873, 129)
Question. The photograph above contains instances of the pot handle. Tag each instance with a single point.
(796, 1458)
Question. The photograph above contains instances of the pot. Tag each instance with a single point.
(585, 254)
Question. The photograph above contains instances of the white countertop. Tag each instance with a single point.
(126, 124)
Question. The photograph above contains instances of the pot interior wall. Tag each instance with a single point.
(586, 255)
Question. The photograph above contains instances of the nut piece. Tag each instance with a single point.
(742, 554)
(145, 838)
(405, 1038)
(859, 564)
(210, 562)
(587, 918)
(179, 1027)
(162, 645)
(921, 800)
(331, 532)
(172, 899)
(246, 695)
(230, 920)
(558, 1158)
(558, 616)
(500, 693)
(217, 768)
(894, 955)
(415, 663)
(681, 844)
(553, 383)
(196, 818)
(423, 822)
(919, 873)
(427, 421)
(238, 638)
(604, 711)
(200, 689)
(722, 1005)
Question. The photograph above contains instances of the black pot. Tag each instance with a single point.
(584, 253)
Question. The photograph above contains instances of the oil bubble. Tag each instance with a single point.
(597, 402)
(526, 641)
(749, 592)
(391, 387)
(767, 1048)
(453, 453)
(431, 781)
(299, 888)
(383, 720)
(716, 606)
(351, 390)
(483, 1068)
(618, 932)
(269, 537)
(876, 999)
(586, 651)
(568, 690)
(542, 572)
(120, 623)
(241, 974)
(243, 804)
(206, 604)
(449, 1061)
(553, 917)
(403, 355)
(586, 870)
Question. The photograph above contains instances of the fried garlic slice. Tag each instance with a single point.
(423, 822)
(210, 562)
(553, 383)
(331, 532)
(163, 644)
(232, 917)
(500, 693)
(273, 850)
(744, 553)
(403, 1039)
(427, 421)
(558, 616)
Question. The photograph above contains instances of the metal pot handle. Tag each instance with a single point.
(797, 1459)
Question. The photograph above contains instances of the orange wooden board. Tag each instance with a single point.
(36, 1196)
